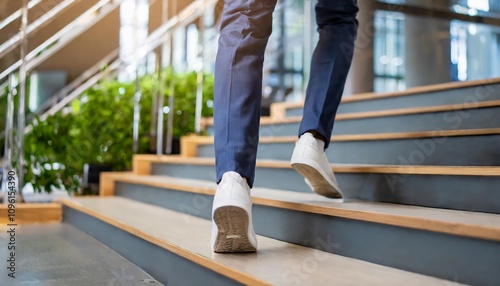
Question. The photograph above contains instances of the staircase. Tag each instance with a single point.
(420, 170)
(55, 29)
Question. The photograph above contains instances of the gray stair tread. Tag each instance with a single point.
(450, 86)
(471, 224)
(59, 254)
(341, 168)
(393, 136)
(274, 263)
(208, 140)
(208, 121)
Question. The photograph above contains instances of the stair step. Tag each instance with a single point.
(451, 187)
(59, 254)
(276, 262)
(441, 94)
(478, 147)
(476, 115)
(470, 224)
(434, 239)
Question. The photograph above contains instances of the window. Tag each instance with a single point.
(389, 51)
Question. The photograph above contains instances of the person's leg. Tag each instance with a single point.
(245, 29)
(337, 27)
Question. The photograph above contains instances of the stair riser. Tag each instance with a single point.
(450, 257)
(450, 192)
(449, 151)
(166, 267)
(455, 96)
(450, 120)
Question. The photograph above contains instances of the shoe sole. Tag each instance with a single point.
(318, 183)
(232, 225)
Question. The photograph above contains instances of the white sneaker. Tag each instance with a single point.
(310, 161)
(232, 228)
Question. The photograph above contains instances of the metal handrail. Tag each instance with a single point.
(79, 81)
(76, 87)
(12, 43)
(88, 19)
(86, 75)
(187, 15)
(78, 91)
(17, 14)
(3, 86)
(64, 36)
(154, 40)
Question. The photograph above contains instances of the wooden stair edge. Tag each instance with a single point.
(142, 162)
(343, 168)
(253, 269)
(410, 135)
(424, 89)
(419, 110)
(31, 213)
(279, 108)
(107, 180)
(302, 202)
(190, 143)
(208, 121)
(401, 111)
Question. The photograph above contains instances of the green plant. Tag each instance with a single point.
(3, 108)
(3, 121)
(185, 86)
(97, 129)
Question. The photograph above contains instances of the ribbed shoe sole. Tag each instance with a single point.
(318, 183)
(232, 225)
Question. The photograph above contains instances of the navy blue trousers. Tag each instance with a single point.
(246, 27)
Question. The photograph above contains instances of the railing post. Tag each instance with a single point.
(137, 112)
(170, 119)
(9, 137)
(171, 91)
(281, 94)
(201, 64)
(22, 97)
(138, 64)
(159, 109)
(165, 57)
(308, 38)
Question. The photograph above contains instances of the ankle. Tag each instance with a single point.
(317, 135)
